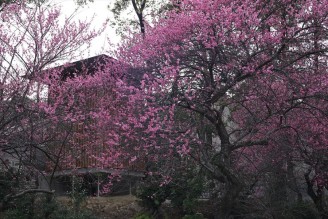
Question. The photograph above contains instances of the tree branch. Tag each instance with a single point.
(250, 143)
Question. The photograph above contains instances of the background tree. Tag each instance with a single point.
(130, 15)
(138, 7)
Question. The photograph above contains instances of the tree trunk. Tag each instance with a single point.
(139, 11)
(230, 201)
(317, 197)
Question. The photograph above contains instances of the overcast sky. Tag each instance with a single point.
(98, 9)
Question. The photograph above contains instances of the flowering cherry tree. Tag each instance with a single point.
(252, 72)
(237, 86)
(33, 38)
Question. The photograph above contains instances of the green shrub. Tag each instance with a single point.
(185, 191)
(300, 210)
(143, 216)
(78, 194)
(22, 207)
(32, 206)
(7, 182)
(194, 216)
(152, 195)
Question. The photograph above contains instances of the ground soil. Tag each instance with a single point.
(110, 207)
(128, 207)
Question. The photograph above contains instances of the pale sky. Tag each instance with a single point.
(98, 9)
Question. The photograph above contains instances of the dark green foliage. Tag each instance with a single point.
(78, 196)
(119, 6)
(300, 210)
(152, 194)
(22, 208)
(143, 216)
(194, 216)
(186, 188)
(3, 3)
(43, 206)
(7, 182)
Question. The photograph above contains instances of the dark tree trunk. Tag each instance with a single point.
(316, 196)
(230, 201)
(139, 11)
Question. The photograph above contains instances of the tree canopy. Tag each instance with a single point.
(237, 87)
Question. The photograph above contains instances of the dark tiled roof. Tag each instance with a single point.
(98, 63)
(87, 66)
